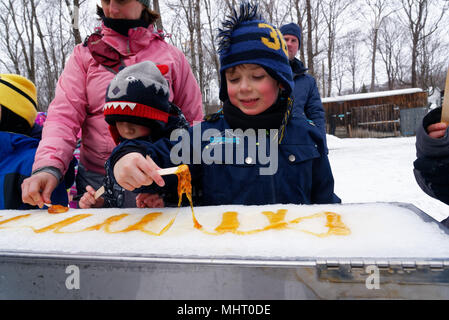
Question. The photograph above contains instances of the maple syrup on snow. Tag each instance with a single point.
(229, 223)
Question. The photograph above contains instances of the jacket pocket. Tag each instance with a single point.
(298, 153)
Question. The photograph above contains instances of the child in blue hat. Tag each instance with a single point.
(227, 153)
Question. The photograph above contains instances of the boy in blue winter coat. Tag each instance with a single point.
(19, 136)
(431, 167)
(256, 150)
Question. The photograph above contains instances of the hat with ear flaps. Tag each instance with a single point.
(245, 38)
(138, 94)
(19, 95)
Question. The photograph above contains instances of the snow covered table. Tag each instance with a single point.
(382, 250)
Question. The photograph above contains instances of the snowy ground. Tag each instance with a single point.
(379, 170)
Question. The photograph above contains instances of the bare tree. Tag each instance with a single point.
(421, 25)
(332, 11)
(310, 54)
(300, 13)
(38, 38)
(212, 48)
(309, 18)
(74, 14)
(199, 47)
(378, 11)
(432, 63)
(188, 8)
(391, 44)
(20, 36)
(352, 56)
(231, 4)
(11, 47)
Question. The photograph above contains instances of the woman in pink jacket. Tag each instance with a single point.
(126, 34)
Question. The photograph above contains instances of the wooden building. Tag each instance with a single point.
(373, 115)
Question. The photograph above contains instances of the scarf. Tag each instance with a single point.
(123, 25)
(269, 119)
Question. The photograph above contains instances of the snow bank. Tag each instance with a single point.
(377, 230)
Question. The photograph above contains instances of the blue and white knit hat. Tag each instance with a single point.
(245, 37)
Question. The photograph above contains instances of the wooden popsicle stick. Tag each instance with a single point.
(162, 172)
(167, 171)
(99, 192)
(445, 111)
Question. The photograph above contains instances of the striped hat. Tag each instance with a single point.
(245, 38)
(19, 95)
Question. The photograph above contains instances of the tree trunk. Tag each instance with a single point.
(310, 54)
(373, 60)
(74, 14)
(324, 80)
(213, 52)
(199, 46)
(330, 65)
(299, 22)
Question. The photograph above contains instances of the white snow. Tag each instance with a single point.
(377, 231)
(379, 170)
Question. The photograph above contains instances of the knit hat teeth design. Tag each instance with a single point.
(245, 38)
(19, 95)
(139, 94)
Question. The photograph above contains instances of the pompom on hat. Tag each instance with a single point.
(138, 94)
(19, 95)
(245, 38)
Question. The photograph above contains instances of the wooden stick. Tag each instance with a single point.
(445, 111)
(167, 171)
(162, 172)
(99, 192)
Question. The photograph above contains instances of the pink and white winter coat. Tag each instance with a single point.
(80, 95)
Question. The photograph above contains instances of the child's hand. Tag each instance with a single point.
(148, 200)
(134, 171)
(88, 199)
(37, 189)
(437, 130)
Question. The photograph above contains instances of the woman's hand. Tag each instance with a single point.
(88, 199)
(134, 171)
(437, 130)
(37, 189)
